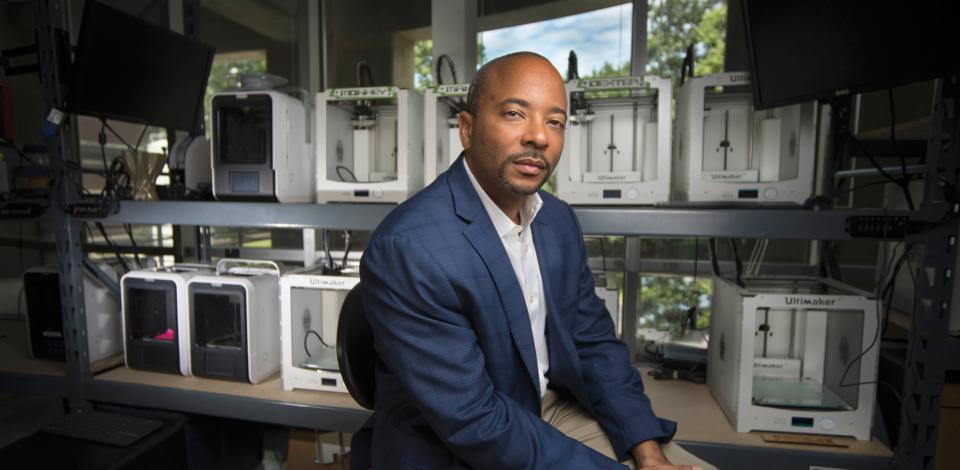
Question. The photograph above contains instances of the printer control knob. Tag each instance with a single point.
(828, 424)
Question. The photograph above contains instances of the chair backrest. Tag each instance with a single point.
(355, 352)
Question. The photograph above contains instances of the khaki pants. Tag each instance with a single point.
(568, 417)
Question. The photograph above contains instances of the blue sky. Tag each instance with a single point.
(596, 36)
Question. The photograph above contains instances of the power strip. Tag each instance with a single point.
(877, 226)
(86, 210)
(19, 210)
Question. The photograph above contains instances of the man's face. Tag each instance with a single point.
(515, 139)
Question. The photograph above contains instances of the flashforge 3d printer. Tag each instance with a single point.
(235, 321)
(156, 320)
(441, 127)
(310, 311)
(728, 151)
(369, 144)
(617, 148)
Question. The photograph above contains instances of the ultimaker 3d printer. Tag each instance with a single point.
(728, 151)
(310, 310)
(794, 355)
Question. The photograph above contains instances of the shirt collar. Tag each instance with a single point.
(504, 224)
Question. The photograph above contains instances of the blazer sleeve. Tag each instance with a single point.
(612, 384)
(422, 335)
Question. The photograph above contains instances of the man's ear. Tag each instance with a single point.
(465, 120)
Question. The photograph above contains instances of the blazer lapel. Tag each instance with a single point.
(564, 361)
(482, 235)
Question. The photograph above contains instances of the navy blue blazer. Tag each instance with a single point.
(457, 372)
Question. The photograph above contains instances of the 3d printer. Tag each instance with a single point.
(156, 320)
(369, 144)
(260, 149)
(235, 321)
(310, 304)
(794, 355)
(617, 148)
(45, 320)
(728, 151)
(441, 128)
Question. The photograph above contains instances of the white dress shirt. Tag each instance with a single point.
(518, 242)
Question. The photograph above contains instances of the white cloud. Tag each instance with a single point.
(598, 36)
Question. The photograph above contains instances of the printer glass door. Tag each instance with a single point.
(245, 133)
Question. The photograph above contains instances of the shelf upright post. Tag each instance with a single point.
(631, 294)
(929, 344)
(53, 51)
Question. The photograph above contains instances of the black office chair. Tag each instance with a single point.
(355, 353)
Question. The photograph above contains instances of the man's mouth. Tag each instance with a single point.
(529, 166)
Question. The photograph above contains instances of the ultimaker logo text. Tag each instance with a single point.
(814, 301)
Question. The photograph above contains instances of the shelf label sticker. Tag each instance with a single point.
(333, 282)
(364, 93)
(459, 89)
(613, 83)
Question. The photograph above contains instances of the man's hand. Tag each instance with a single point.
(648, 456)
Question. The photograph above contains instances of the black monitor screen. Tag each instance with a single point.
(130, 69)
(817, 49)
(218, 319)
(151, 311)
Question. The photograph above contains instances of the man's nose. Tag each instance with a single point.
(536, 135)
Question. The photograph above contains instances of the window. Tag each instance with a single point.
(601, 39)
(226, 72)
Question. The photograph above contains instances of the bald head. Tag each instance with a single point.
(481, 80)
(513, 129)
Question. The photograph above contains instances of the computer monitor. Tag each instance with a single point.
(132, 70)
(818, 49)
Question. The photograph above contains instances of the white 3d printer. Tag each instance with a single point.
(369, 144)
(260, 148)
(779, 349)
(441, 128)
(728, 151)
(610, 295)
(310, 311)
(156, 320)
(617, 149)
(235, 321)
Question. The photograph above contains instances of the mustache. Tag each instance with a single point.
(529, 154)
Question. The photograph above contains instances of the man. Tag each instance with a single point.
(493, 347)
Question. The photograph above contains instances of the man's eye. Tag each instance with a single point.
(559, 124)
(511, 113)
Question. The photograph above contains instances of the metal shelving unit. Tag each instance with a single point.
(777, 224)
(33, 383)
(928, 348)
(266, 402)
(21, 373)
(252, 214)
